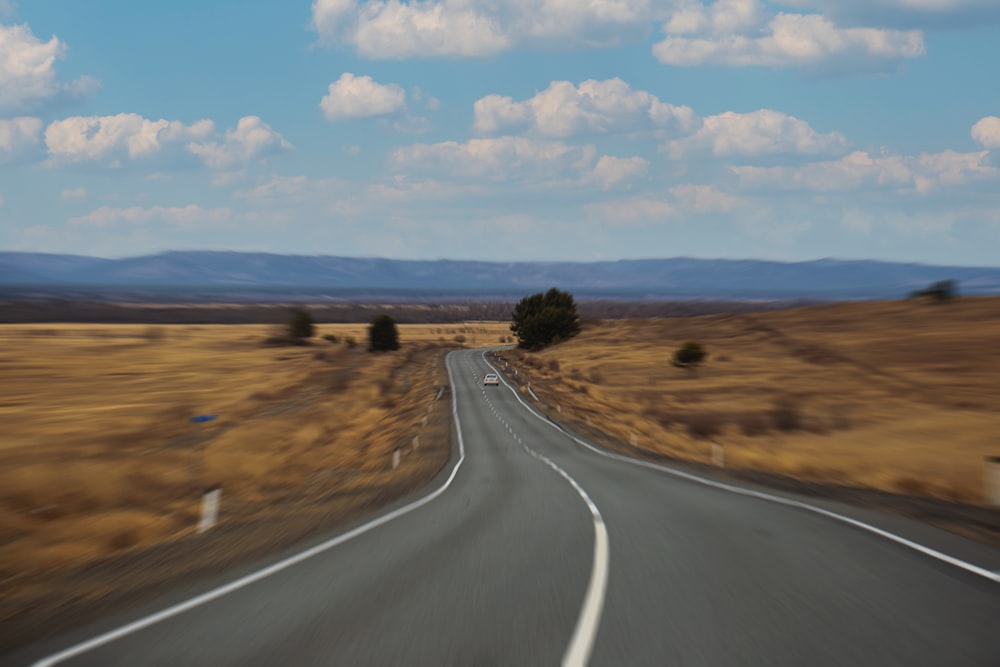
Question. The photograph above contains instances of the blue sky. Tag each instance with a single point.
(503, 129)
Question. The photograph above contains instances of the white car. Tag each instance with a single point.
(491, 378)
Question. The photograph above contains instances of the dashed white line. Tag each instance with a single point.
(585, 633)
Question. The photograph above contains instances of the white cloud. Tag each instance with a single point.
(353, 96)
(734, 33)
(593, 107)
(221, 179)
(679, 202)
(499, 159)
(930, 14)
(704, 199)
(18, 133)
(190, 216)
(520, 159)
(252, 139)
(278, 187)
(76, 194)
(763, 132)
(98, 137)
(634, 211)
(27, 70)
(721, 17)
(861, 171)
(390, 29)
(987, 131)
(611, 172)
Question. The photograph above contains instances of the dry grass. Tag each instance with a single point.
(899, 396)
(98, 456)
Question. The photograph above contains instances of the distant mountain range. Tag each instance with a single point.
(239, 272)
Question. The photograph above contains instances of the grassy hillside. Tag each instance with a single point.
(898, 396)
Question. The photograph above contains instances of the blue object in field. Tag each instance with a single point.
(201, 419)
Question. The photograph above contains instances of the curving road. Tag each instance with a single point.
(532, 548)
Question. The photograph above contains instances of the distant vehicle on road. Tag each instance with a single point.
(491, 378)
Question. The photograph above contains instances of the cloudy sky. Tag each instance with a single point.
(503, 129)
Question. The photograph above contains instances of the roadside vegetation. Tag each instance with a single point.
(545, 319)
(383, 335)
(898, 396)
(99, 459)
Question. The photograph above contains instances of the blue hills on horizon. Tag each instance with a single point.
(639, 278)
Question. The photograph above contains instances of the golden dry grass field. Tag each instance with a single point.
(897, 396)
(98, 457)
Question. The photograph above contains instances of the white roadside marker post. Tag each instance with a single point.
(718, 455)
(395, 458)
(210, 502)
(993, 481)
(212, 496)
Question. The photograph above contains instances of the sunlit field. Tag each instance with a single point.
(99, 456)
(898, 396)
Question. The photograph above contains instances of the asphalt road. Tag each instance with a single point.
(533, 549)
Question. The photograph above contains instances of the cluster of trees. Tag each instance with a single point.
(545, 319)
(383, 335)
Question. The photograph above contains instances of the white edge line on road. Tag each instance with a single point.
(242, 582)
(582, 642)
(927, 551)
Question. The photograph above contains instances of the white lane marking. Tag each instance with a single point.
(582, 642)
(927, 551)
(242, 582)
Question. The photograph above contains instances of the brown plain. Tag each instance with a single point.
(98, 457)
(897, 396)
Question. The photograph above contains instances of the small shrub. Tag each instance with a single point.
(459, 338)
(301, 324)
(350, 342)
(786, 415)
(942, 290)
(331, 338)
(704, 425)
(689, 356)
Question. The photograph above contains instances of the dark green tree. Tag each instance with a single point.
(382, 335)
(301, 325)
(545, 319)
(942, 290)
(689, 356)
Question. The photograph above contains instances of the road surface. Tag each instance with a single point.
(533, 549)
